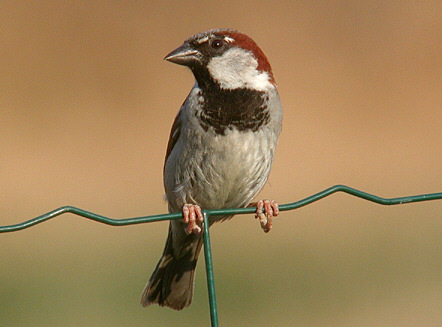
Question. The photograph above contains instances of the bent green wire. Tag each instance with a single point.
(207, 214)
(219, 212)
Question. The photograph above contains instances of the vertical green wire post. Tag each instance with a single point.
(209, 272)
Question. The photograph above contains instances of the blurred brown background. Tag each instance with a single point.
(86, 105)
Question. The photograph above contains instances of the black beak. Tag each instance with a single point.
(184, 55)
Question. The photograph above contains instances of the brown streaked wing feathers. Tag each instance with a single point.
(174, 135)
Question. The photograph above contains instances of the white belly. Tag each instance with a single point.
(218, 171)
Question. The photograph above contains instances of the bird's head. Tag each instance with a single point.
(227, 58)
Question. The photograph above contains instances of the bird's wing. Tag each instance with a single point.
(174, 134)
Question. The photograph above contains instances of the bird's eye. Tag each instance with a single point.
(216, 44)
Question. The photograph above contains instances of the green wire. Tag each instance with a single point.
(220, 212)
(209, 273)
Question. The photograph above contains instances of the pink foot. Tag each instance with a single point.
(271, 210)
(193, 217)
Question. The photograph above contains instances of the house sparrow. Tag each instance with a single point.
(220, 151)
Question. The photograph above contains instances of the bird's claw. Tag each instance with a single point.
(193, 217)
(271, 210)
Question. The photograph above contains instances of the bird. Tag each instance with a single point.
(220, 151)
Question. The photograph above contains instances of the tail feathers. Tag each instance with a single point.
(171, 284)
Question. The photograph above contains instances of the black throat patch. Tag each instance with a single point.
(242, 109)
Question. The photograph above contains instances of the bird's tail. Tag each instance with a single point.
(171, 284)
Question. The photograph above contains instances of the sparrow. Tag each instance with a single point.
(220, 151)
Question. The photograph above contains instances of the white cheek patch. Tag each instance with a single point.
(237, 68)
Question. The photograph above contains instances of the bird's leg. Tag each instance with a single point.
(271, 210)
(193, 217)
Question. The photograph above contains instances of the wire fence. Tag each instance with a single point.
(220, 212)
